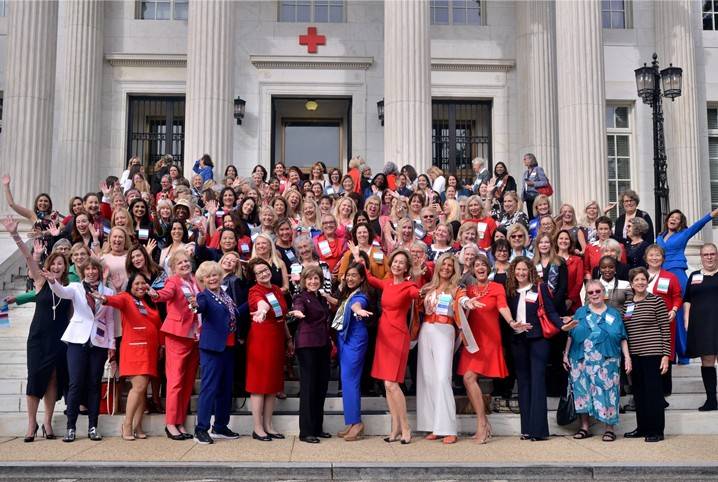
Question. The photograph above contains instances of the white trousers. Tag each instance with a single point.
(435, 405)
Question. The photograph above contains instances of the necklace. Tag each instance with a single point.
(54, 305)
(482, 291)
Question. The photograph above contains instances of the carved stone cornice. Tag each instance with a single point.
(147, 60)
(472, 65)
(313, 62)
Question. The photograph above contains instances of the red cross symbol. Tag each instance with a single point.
(311, 40)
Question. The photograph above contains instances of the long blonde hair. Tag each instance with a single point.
(436, 281)
(273, 257)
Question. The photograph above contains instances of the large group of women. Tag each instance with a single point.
(246, 279)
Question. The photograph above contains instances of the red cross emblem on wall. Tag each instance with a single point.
(312, 40)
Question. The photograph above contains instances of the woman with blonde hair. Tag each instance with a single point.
(264, 248)
(435, 405)
(541, 208)
(451, 215)
(121, 217)
(294, 205)
(512, 213)
(438, 181)
(443, 238)
(566, 219)
(114, 258)
(344, 210)
(401, 236)
(518, 239)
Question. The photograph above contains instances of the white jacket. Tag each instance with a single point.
(84, 323)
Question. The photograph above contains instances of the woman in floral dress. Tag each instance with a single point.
(593, 356)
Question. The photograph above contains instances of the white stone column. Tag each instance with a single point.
(678, 39)
(581, 103)
(407, 83)
(210, 73)
(81, 87)
(536, 68)
(28, 98)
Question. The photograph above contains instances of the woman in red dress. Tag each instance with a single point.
(267, 342)
(393, 337)
(140, 346)
(486, 299)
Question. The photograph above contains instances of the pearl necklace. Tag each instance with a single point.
(54, 305)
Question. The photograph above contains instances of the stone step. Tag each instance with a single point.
(678, 422)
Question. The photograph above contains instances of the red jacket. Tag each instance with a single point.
(574, 264)
(180, 320)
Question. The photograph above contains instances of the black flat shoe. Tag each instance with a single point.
(538, 439)
(171, 436)
(309, 439)
(633, 434)
(405, 442)
(654, 438)
(278, 436)
(325, 435)
(261, 438)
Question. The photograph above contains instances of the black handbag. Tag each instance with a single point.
(566, 412)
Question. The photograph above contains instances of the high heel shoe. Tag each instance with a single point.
(355, 433)
(487, 436)
(172, 436)
(45, 435)
(129, 437)
(31, 438)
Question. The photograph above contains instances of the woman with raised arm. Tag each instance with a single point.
(46, 353)
(42, 207)
(393, 337)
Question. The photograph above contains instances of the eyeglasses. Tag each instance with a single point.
(594, 292)
(517, 236)
(629, 201)
(261, 272)
(428, 216)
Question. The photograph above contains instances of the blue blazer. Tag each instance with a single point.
(349, 316)
(607, 341)
(215, 322)
(532, 311)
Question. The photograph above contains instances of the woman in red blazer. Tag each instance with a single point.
(574, 264)
(181, 330)
(140, 347)
(665, 285)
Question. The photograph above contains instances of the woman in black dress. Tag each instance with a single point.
(701, 321)
(47, 376)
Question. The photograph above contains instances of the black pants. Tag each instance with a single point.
(85, 364)
(313, 384)
(529, 208)
(531, 356)
(648, 394)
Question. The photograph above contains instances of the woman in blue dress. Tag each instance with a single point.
(593, 358)
(674, 239)
(352, 342)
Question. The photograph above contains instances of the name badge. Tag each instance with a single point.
(324, 248)
(244, 248)
(444, 305)
(610, 319)
(378, 256)
(419, 232)
(697, 279)
(539, 269)
(629, 309)
(274, 303)
(330, 190)
(143, 234)
(533, 174)
(290, 255)
(481, 227)
(253, 237)
(349, 227)
(499, 183)
(105, 229)
(296, 268)
(531, 296)
(662, 285)
(219, 214)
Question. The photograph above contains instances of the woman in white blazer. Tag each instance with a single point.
(90, 341)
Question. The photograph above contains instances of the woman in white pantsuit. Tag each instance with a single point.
(435, 406)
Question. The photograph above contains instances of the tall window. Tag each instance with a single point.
(319, 11)
(616, 13)
(618, 128)
(163, 10)
(456, 12)
(3, 8)
(713, 156)
(710, 15)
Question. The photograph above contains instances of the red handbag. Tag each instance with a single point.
(546, 190)
(549, 329)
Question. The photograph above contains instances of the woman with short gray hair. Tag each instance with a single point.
(629, 202)
(636, 244)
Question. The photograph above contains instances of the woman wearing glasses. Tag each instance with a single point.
(629, 201)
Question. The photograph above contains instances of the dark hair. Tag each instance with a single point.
(532, 159)
(335, 170)
(604, 220)
(136, 169)
(221, 196)
(37, 198)
(384, 183)
(253, 217)
(368, 227)
(51, 258)
(500, 244)
(363, 287)
(132, 275)
(150, 264)
(185, 233)
(421, 197)
(252, 264)
(279, 222)
(572, 243)
(511, 283)
(356, 216)
(506, 170)
(231, 166)
(609, 259)
(146, 221)
(72, 201)
(683, 224)
(111, 180)
(425, 176)
(91, 194)
(261, 168)
(207, 160)
(409, 170)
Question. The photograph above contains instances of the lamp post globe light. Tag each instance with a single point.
(652, 84)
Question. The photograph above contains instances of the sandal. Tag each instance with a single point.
(582, 434)
(608, 436)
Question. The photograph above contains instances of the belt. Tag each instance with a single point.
(438, 319)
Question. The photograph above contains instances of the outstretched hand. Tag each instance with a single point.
(6, 179)
(10, 224)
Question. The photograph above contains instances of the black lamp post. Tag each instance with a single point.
(380, 110)
(239, 105)
(649, 80)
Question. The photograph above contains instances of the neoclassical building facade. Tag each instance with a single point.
(86, 84)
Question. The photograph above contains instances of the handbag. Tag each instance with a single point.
(546, 190)
(566, 412)
(549, 329)
(109, 390)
